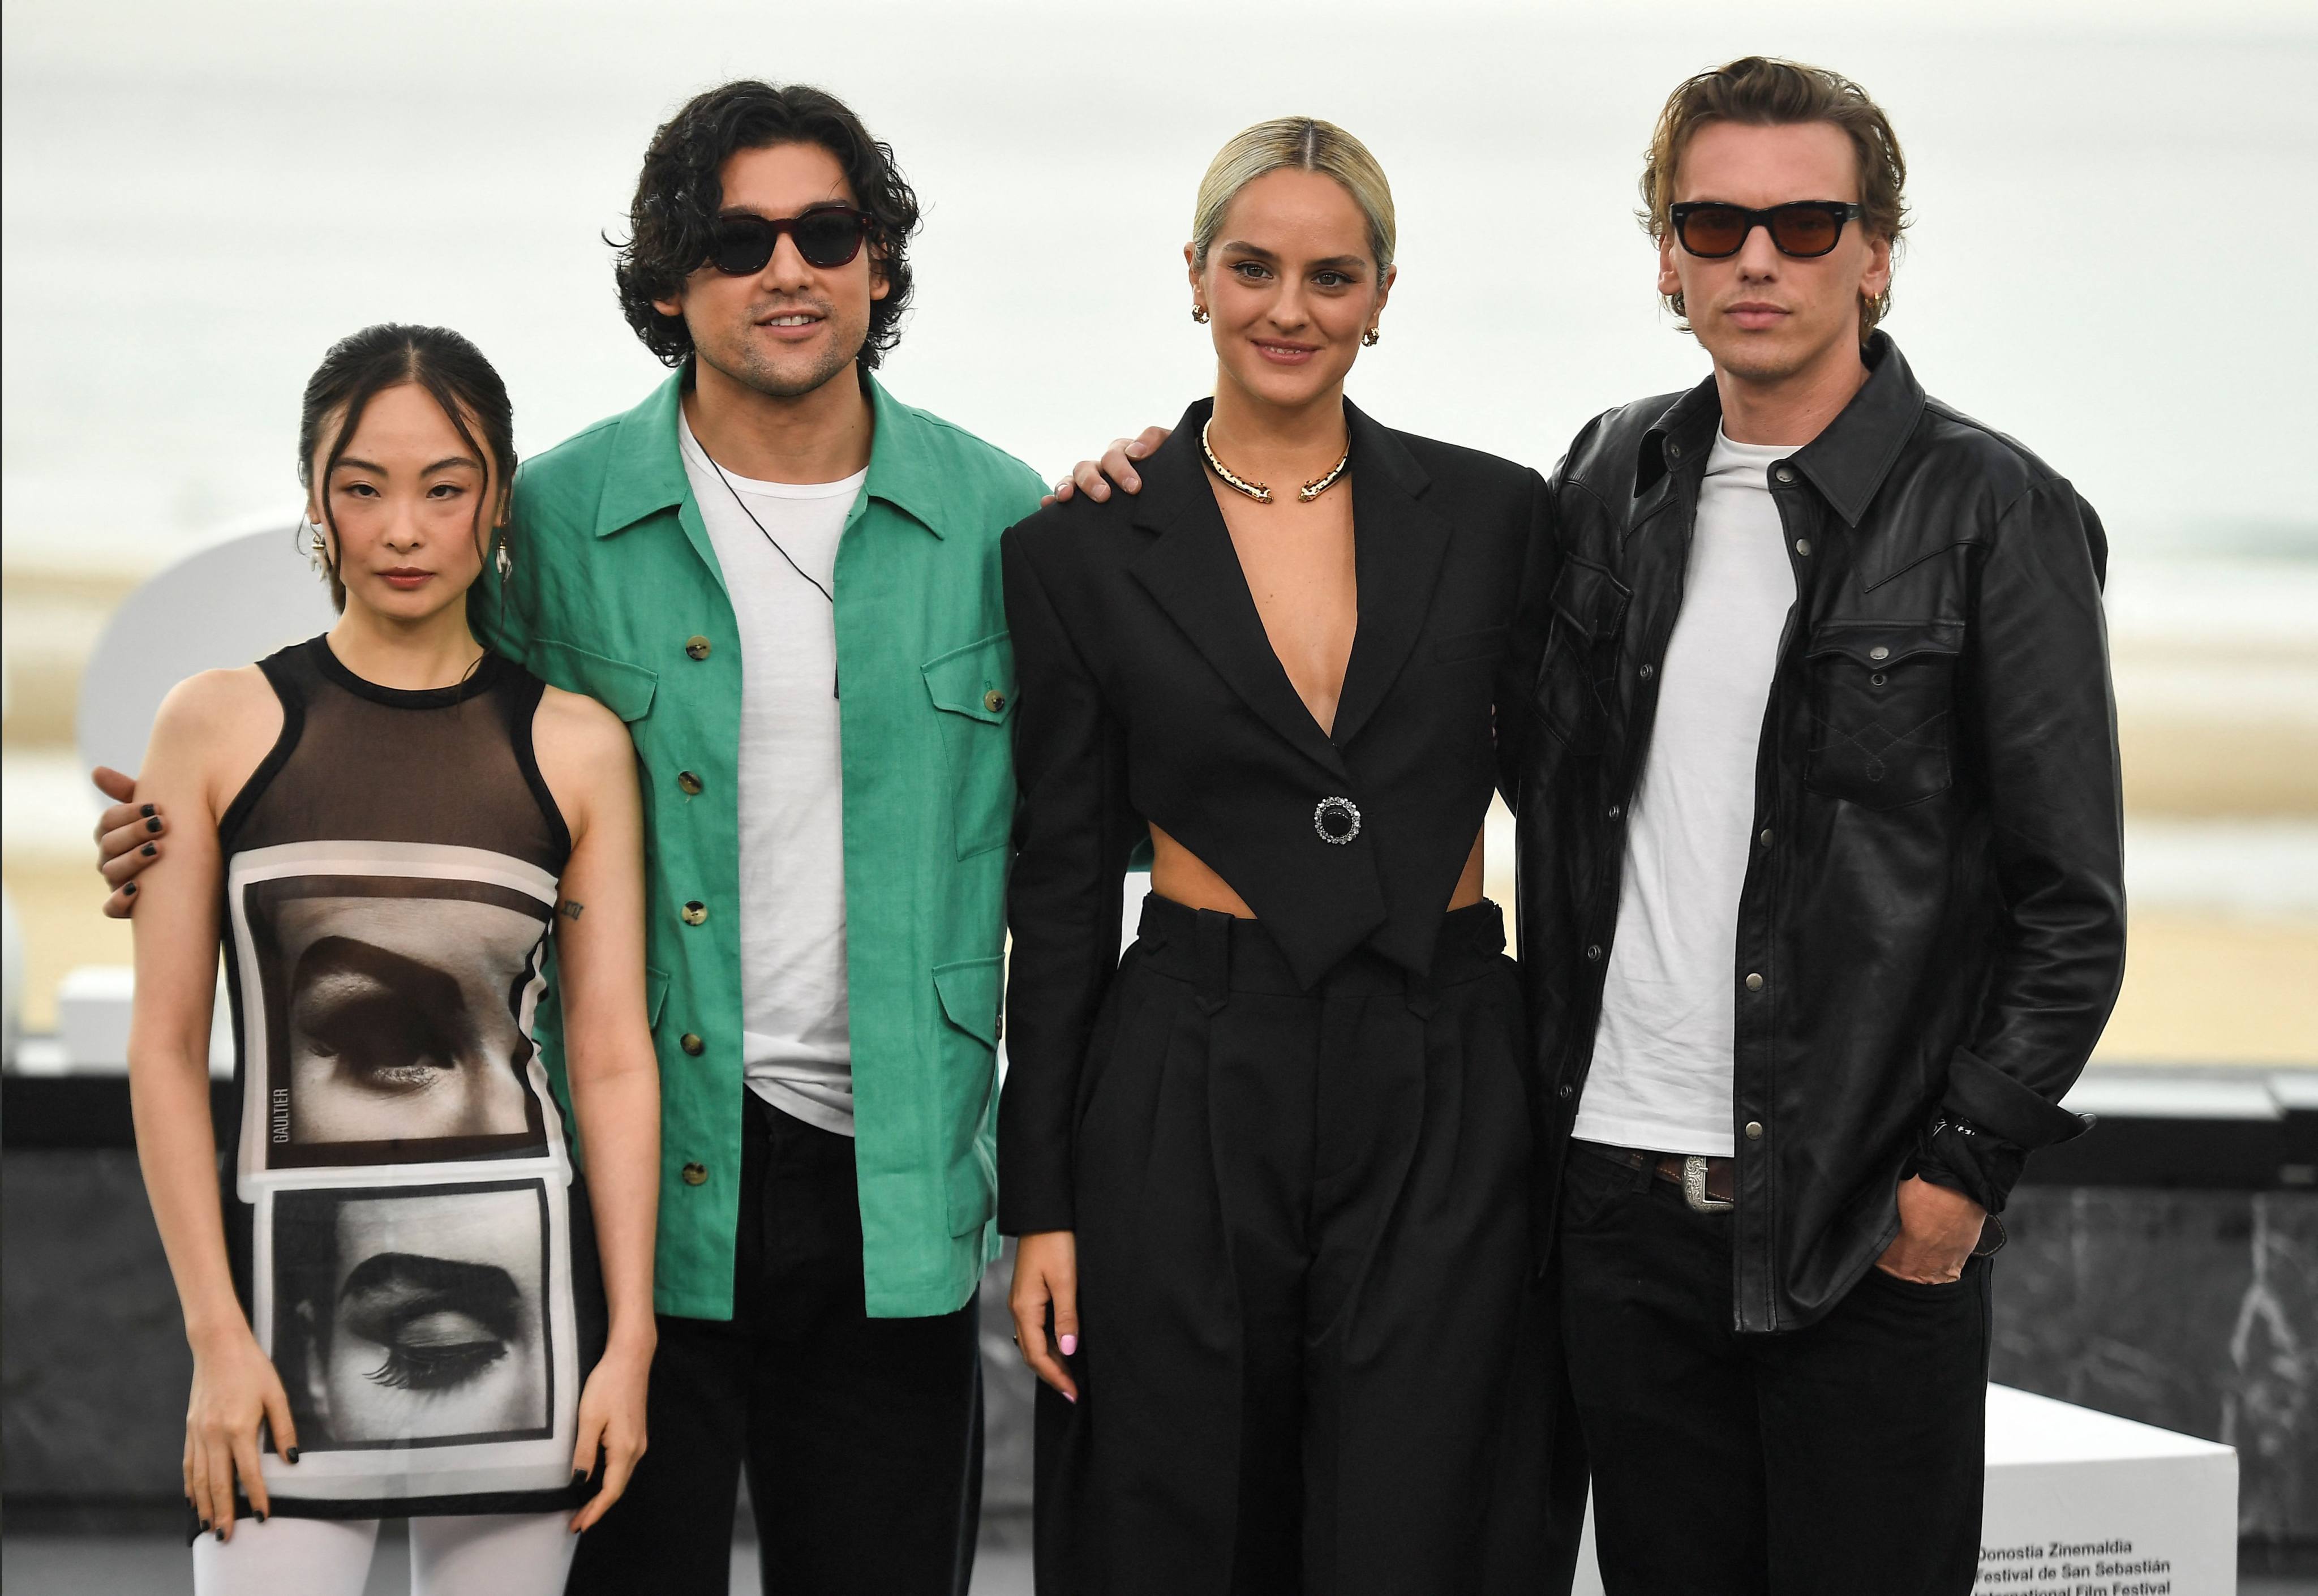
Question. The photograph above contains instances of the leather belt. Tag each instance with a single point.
(1709, 1185)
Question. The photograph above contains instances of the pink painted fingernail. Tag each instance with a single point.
(1071, 1398)
(1069, 1344)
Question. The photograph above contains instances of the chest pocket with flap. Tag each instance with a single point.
(1882, 698)
(626, 690)
(974, 689)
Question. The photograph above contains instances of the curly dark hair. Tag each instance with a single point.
(679, 192)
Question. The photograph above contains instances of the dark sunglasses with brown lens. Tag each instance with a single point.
(1713, 231)
(827, 236)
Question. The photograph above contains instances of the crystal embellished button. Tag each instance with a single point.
(1336, 820)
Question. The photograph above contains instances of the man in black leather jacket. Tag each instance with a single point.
(1820, 869)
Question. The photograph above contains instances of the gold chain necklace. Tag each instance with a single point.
(1257, 491)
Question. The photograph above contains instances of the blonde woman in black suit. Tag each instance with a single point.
(1271, 1173)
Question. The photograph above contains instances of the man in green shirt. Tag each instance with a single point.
(786, 583)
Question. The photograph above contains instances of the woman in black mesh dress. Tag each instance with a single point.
(401, 1300)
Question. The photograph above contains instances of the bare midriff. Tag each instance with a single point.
(1181, 875)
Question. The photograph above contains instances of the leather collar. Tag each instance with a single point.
(1846, 462)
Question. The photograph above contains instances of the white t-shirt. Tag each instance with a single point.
(797, 1048)
(1662, 1055)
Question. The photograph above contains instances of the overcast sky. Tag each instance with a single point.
(2113, 232)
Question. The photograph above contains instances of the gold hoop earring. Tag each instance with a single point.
(1199, 313)
(1369, 338)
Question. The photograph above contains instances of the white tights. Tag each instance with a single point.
(469, 1554)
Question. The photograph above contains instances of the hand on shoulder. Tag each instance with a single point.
(1093, 478)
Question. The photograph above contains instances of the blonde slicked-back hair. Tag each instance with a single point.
(1765, 91)
(1294, 144)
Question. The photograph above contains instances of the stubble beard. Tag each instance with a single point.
(1756, 363)
(745, 365)
(1764, 360)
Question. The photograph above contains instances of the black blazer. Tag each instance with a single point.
(1148, 692)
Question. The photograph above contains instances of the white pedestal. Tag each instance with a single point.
(2081, 1503)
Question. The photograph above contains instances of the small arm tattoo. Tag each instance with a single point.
(571, 908)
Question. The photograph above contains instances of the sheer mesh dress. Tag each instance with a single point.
(410, 1235)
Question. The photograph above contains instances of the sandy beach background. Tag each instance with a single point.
(197, 200)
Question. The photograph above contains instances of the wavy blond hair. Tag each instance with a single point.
(1294, 144)
(1765, 91)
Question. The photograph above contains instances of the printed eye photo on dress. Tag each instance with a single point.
(413, 1316)
(392, 1012)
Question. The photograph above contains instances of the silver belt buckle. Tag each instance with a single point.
(1693, 1188)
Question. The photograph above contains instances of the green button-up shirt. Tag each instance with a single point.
(615, 591)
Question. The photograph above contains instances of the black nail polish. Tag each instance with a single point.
(205, 1523)
(129, 891)
(292, 1454)
(146, 810)
(219, 1532)
(259, 1516)
(153, 822)
(149, 851)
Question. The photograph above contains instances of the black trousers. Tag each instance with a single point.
(1844, 1457)
(1304, 1253)
(862, 1437)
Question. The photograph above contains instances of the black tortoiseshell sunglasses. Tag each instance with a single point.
(1713, 231)
(827, 236)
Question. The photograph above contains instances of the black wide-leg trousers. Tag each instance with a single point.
(1840, 1458)
(1303, 1253)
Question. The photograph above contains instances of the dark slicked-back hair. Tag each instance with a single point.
(672, 219)
(362, 365)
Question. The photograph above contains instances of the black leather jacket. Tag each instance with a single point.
(1932, 929)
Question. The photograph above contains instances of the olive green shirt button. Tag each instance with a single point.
(688, 783)
(695, 912)
(696, 1174)
(698, 647)
(993, 700)
(692, 1043)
